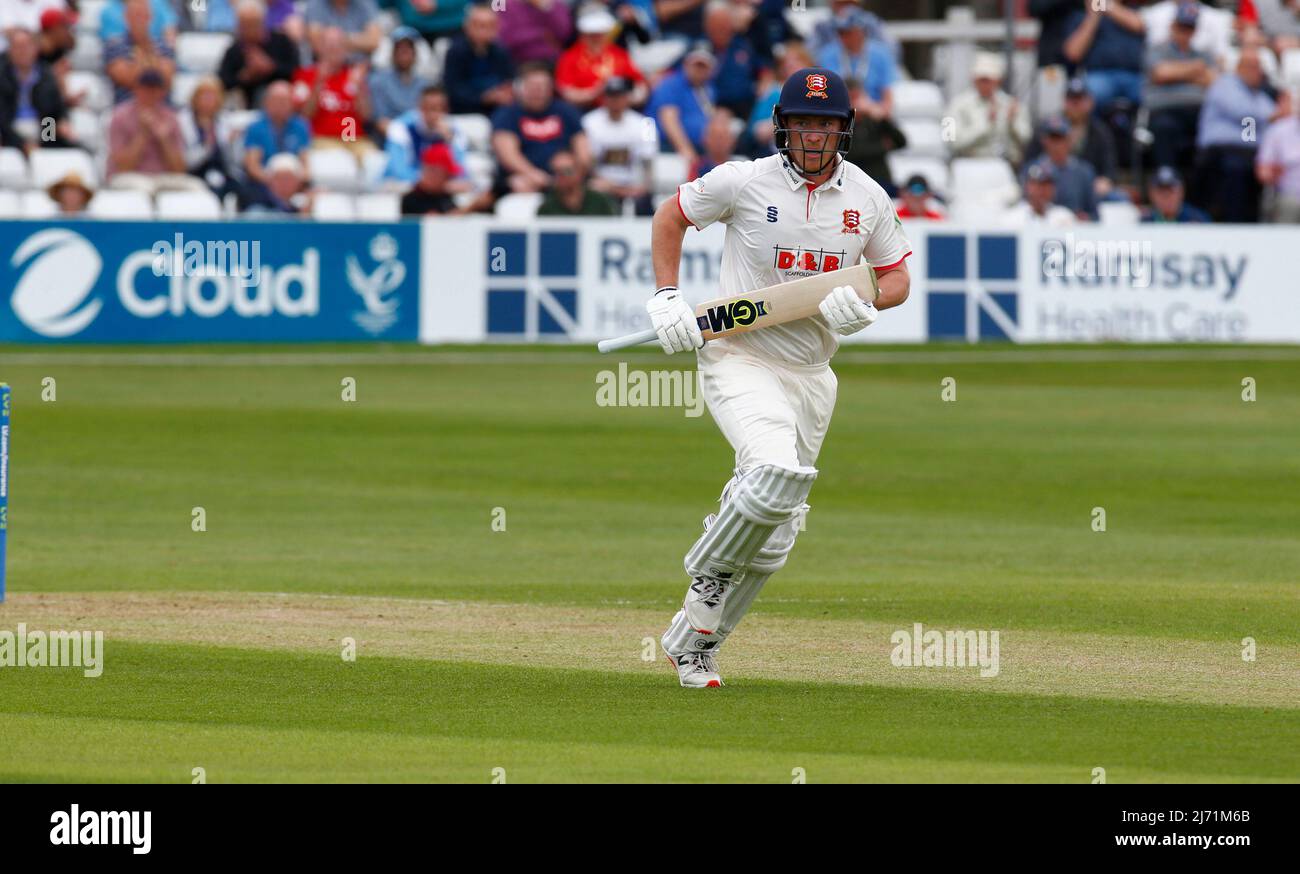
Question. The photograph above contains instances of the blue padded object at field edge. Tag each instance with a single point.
(4, 480)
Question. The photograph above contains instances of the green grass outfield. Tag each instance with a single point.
(523, 649)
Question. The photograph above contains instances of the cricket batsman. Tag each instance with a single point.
(799, 212)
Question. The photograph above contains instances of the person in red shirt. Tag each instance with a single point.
(333, 96)
(914, 201)
(581, 71)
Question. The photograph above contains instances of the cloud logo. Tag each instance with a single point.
(59, 269)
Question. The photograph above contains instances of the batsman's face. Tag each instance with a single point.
(812, 140)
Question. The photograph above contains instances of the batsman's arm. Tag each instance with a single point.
(666, 233)
(895, 284)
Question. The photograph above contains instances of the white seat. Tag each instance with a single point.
(201, 52)
(88, 54)
(654, 57)
(11, 205)
(86, 128)
(13, 168)
(333, 206)
(50, 165)
(373, 165)
(480, 169)
(425, 58)
(935, 171)
(334, 169)
(668, 170)
(88, 14)
(924, 138)
(519, 207)
(1291, 68)
(1118, 212)
(113, 204)
(37, 205)
(976, 177)
(384, 206)
(98, 92)
(476, 129)
(183, 85)
(917, 99)
(196, 205)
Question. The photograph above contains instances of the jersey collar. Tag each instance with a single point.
(796, 181)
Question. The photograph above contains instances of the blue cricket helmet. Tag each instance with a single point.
(813, 91)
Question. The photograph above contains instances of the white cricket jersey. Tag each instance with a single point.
(620, 149)
(778, 230)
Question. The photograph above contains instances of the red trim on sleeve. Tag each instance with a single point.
(892, 266)
(688, 218)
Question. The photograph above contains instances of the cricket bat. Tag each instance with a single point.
(784, 302)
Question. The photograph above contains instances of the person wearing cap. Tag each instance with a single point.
(1091, 139)
(432, 192)
(284, 192)
(987, 121)
(357, 19)
(1278, 163)
(135, 50)
(1106, 40)
(146, 151)
(1039, 206)
(535, 30)
(915, 200)
(569, 194)
(71, 194)
(584, 67)
(258, 55)
(740, 74)
(622, 147)
(683, 101)
(1237, 111)
(856, 56)
(1178, 75)
(1074, 178)
(1167, 205)
(478, 73)
(825, 35)
(527, 134)
(396, 90)
(57, 39)
(411, 133)
(29, 94)
(277, 129)
(432, 19)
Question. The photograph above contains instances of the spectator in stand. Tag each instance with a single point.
(284, 192)
(683, 101)
(432, 19)
(71, 194)
(1167, 205)
(396, 90)
(719, 146)
(1236, 112)
(357, 19)
(856, 56)
(432, 193)
(1090, 139)
(258, 56)
(569, 194)
(1055, 28)
(134, 50)
(682, 20)
(57, 39)
(1073, 179)
(874, 136)
(478, 73)
(825, 35)
(1214, 27)
(276, 130)
(283, 17)
(162, 21)
(536, 30)
(987, 121)
(740, 75)
(636, 19)
(1039, 206)
(145, 148)
(763, 24)
(1278, 163)
(333, 96)
(207, 137)
(915, 200)
(1280, 22)
(1106, 40)
(32, 112)
(1178, 76)
(413, 132)
(794, 58)
(622, 147)
(587, 64)
(528, 134)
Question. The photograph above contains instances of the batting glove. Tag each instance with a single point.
(674, 321)
(845, 312)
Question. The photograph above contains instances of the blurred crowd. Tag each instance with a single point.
(1173, 110)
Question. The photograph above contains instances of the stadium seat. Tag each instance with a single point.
(480, 169)
(50, 165)
(1118, 213)
(333, 169)
(917, 99)
(201, 52)
(425, 59)
(935, 171)
(13, 168)
(112, 204)
(655, 57)
(475, 128)
(924, 138)
(333, 206)
(87, 128)
(88, 54)
(668, 170)
(183, 85)
(518, 207)
(984, 180)
(11, 205)
(195, 205)
(37, 205)
(98, 92)
(383, 206)
(1291, 69)
(89, 13)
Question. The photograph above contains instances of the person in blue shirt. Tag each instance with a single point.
(856, 56)
(1234, 116)
(397, 89)
(1167, 204)
(162, 25)
(740, 72)
(1109, 44)
(413, 132)
(682, 103)
(1076, 188)
(526, 135)
(276, 130)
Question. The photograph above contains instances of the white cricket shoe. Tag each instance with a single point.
(704, 602)
(696, 670)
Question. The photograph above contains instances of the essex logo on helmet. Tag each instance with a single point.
(816, 83)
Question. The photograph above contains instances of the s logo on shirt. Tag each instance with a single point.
(771, 214)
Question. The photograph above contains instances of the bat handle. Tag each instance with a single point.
(626, 340)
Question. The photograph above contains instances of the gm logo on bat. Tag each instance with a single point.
(735, 313)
